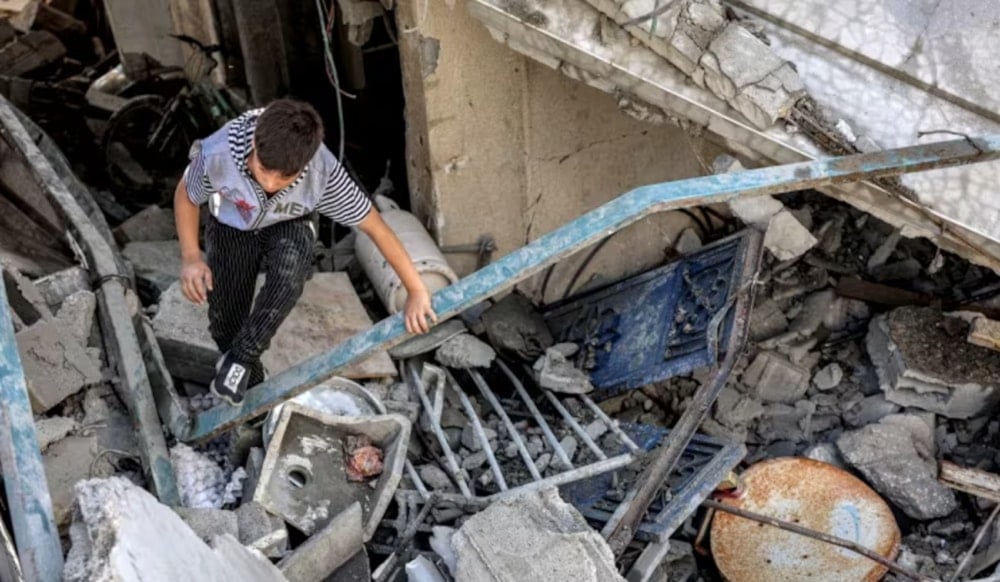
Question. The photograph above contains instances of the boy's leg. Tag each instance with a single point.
(234, 257)
(288, 262)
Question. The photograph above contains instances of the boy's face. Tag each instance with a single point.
(270, 180)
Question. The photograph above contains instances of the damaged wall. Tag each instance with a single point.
(525, 147)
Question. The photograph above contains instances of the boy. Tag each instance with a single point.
(262, 176)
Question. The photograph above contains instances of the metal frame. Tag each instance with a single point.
(31, 514)
(582, 232)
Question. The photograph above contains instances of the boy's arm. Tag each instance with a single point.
(196, 277)
(418, 301)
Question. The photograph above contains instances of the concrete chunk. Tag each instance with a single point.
(53, 429)
(60, 285)
(157, 265)
(534, 536)
(465, 351)
(555, 372)
(181, 329)
(786, 238)
(885, 454)
(920, 364)
(772, 378)
(152, 224)
(56, 365)
(77, 314)
(122, 533)
(985, 333)
(66, 463)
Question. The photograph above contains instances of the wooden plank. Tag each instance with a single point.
(328, 313)
(881, 294)
(971, 481)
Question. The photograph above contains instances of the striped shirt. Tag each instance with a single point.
(342, 201)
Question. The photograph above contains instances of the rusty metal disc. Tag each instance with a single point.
(811, 494)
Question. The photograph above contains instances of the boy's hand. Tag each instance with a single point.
(417, 310)
(196, 280)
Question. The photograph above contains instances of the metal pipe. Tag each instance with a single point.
(581, 233)
(575, 425)
(477, 427)
(456, 470)
(611, 424)
(484, 389)
(620, 529)
(542, 423)
(417, 481)
(28, 497)
(577, 474)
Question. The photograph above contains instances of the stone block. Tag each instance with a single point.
(786, 238)
(919, 364)
(772, 378)
(886, 456)
(533, 536)
(122, 533)
(56, 365)
(157, 265)
(152, 224)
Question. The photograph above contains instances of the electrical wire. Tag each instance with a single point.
(586, 263)
(331, 69)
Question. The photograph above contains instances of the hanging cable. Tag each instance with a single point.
(331, 68)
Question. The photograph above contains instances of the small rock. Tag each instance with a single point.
(535, 446)
(555, 372)
(510, 450)
(434, 477)
(826, 453)
(471, 441)
(786, 238)
(465, 351)
(869, 410)
(569, 445)
(474, 461)
(596, 429)
(542, 462)
(828, 377)
(775, 379)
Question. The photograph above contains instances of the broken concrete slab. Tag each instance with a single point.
(77, 314)
(327, 550)
(59, 285)
(209, 523)
(152, 224)
(261, 530)
(122, 533)
(68, 462)
(465, 351)
(52, 429)
(328, 313)
(56, 365)
(181, 329)
(533, 536)
(920, 364)
(885, 454)
(555, 372)
(771, 377)
(157, 265)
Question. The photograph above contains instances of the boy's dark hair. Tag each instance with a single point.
(287, 135)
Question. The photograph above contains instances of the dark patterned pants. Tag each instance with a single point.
(239, 324)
